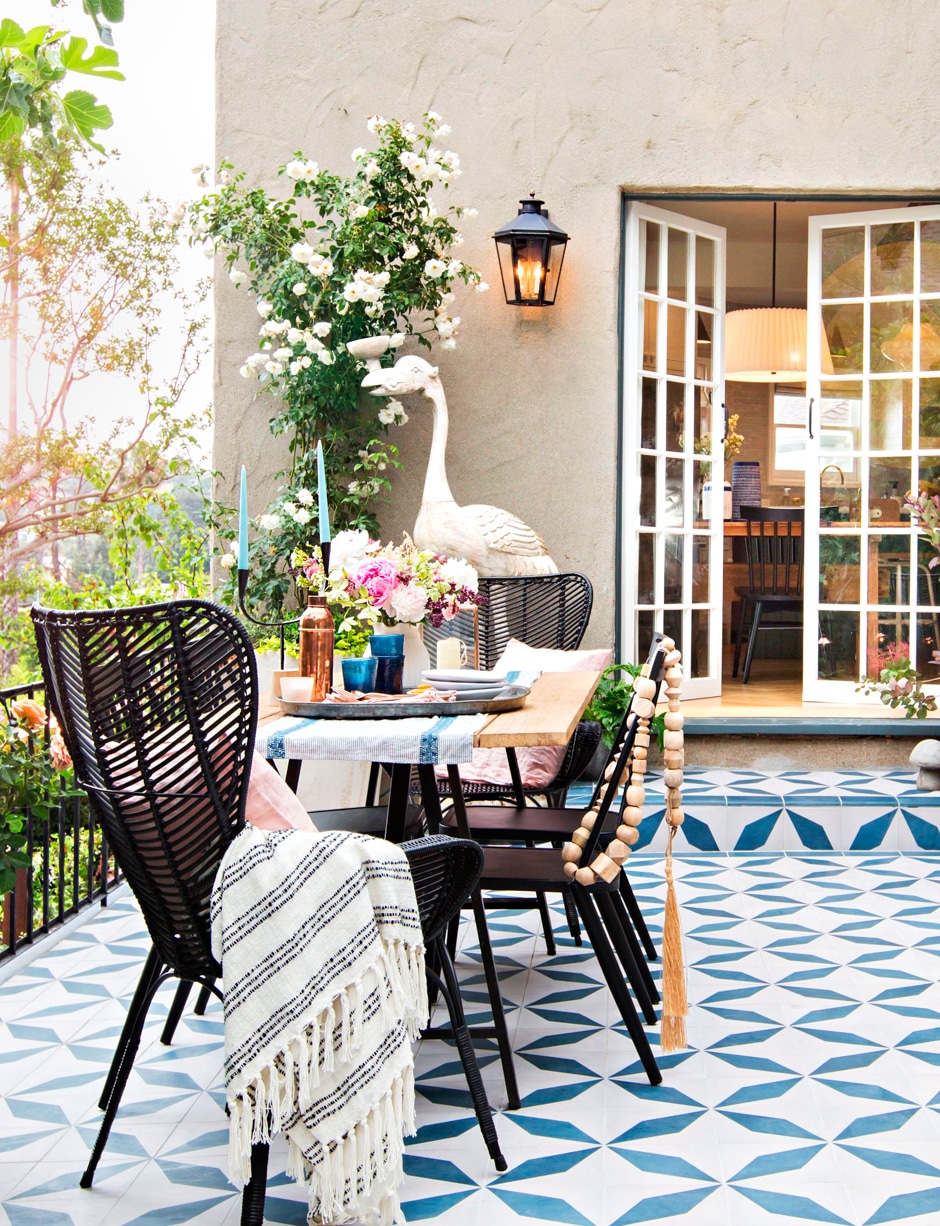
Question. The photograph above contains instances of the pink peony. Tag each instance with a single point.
(379, 578)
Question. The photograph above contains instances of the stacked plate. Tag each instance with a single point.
(467, 683)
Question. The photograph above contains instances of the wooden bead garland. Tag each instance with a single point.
(606, 865)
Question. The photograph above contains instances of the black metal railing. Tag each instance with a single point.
(70, 866)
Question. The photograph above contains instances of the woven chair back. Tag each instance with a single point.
(158, 706)
(774, 545)
(445, 872)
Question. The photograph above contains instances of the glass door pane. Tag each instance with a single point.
(873, 439)
(672, 510)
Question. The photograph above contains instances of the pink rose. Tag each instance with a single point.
(379, 578)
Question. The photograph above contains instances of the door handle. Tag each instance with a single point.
(809, 417)
(724, 437)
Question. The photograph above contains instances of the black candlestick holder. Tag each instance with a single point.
(279, 626)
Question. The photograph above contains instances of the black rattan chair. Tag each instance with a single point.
(158, 707)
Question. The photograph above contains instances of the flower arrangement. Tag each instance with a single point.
(339, 259)
(28, 770)
(372, 584)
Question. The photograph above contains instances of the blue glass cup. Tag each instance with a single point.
(359, 674)
(389, 673)
(387, 644)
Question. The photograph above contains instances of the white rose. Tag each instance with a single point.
(451, 160)
(393, 413)
(301, 516)
(352, 292)
(445, 176)
(283, 354)
(433, 118)
(434, 268)
(326, 357)
(302, 253)
(269, 523)
(410, 251)
(311, 170)
(359, 153)
(312, 343)
(349, 546)
(372, 169)
(227, 561)
(294, 368)
(358, 211)
(246, 372)
(256, 361)
(237, 277)
(450, 343)
(294, 336)
(460, 573)
(408, 602)
(323, 328)
(294, 170)
(274, 368)
(300, 288)
(305, 498)
(374, 122)
(482, 287)
(445, 327)
(409, 160)
(397, 340)
(443, 129)
(353, 487)
(454, 267)
(289, 508)
(306, 361)
(264, 308)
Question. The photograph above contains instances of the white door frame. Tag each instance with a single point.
(634, 295)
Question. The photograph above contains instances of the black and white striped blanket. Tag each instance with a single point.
(320, 943)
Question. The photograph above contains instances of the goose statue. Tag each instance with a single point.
(497, 543)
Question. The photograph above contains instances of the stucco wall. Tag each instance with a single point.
(576, 99)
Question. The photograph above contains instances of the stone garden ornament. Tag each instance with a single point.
(495, 542)
(926, 757)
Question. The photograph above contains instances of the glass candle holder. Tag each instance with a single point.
(388, 674)
(360, 674)
(387, 644)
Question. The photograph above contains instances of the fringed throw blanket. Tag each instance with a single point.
(323, 972)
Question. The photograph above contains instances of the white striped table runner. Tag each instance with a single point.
(420, 741)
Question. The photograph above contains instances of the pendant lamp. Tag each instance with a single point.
(768, 344)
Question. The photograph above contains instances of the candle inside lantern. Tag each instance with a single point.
(323, 505)
(243, 522)
(451, 653)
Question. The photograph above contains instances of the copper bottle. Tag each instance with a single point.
(316, 645)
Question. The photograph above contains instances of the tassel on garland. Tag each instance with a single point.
(675, 998)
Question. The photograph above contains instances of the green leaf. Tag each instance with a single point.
(12, 35)
(112, 10)
(101, 63)
(85, 114)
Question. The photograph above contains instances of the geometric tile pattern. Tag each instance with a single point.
(746, 810)
(811, 1091)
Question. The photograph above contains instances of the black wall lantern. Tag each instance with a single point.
(531, 251)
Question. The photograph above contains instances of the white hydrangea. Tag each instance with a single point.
(323, 328)
(305, 498)
(237, 277)
(408, 602)
(460, 573)
(302, 516)
(410, 251)
(269, 523)
(434, 269)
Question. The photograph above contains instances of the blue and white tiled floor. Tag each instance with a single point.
(811, 1091)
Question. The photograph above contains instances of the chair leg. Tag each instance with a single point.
(184, 987)
(150, 980)
(496, 1001)
(752, 641)
(450, 990)
(636, 952)
(202, 1001)
(571, 914)
(546, 917)
(611, 971)
(453, 931)
(629, 954)
(636, 915)
(255, 1188)
(739, 636)
(146, 975)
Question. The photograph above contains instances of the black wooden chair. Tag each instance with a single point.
(774, 550)
(158, 707)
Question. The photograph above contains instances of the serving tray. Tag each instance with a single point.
(511, 699)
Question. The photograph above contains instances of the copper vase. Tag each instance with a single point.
(316, 646)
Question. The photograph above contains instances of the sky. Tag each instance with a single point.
(164, 125)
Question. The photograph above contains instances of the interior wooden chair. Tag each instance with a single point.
(774, 550)
(158, 707)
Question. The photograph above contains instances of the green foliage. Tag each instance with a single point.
(612, 698)
(339, 259)
(898, 686)
(33, 64)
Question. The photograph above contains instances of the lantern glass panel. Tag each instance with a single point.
(556, 257)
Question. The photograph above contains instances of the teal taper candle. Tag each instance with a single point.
(243, 523)
(323, 505)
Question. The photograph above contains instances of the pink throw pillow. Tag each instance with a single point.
(270, 804)
(539, 765)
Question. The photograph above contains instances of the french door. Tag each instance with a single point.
(672, 440)
(873, 435)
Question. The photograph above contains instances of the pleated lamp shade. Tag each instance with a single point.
(768, 345)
